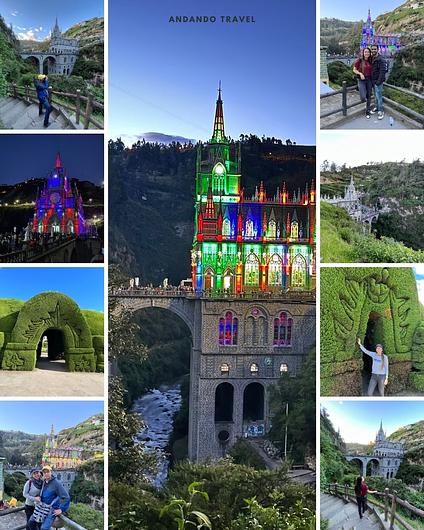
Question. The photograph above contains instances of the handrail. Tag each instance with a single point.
(68, 522)
(345, 107)
(24, 255)
(90, 103)
(388, 512)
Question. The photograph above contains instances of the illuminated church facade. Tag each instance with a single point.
(248, 244)
(60, 457)
(59, 206)
(388, 44)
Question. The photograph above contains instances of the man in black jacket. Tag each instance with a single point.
(378, 78)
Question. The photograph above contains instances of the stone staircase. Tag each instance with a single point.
(343, 515)
(19, 114)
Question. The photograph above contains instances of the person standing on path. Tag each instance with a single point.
(361, 491)
(31, 492)
(380, 369)
(378, 77)
(41, 83)
(363, 69)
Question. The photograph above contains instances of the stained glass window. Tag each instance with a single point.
(283, 325)
(294, 233)
(252, 270)
(299, 271)
(226, 227)
(275, 270)
(228, 330)
(272, 229)
(249, 232)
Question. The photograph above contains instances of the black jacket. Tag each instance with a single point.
(378, 70)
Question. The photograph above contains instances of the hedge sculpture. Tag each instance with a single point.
(350, 299)
(77, 334)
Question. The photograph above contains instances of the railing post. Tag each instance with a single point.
(50, 90)
(26, 92)
(78, 107)
(386, 504)
(88, 111)
(346, 492)
(335, 488)
(393, 512)
(15, 93)
(344, 98)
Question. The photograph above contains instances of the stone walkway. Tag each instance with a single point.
(343, 515)
(16, 114)
(50, 383)
(361, 122)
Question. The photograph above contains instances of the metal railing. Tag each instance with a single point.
(398, 106)
(29, 254)
(158, 292)
(82, 113)
(66, 522)
(390, 503)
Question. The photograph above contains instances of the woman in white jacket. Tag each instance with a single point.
(32, 490)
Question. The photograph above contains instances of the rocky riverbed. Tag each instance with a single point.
(157, 409)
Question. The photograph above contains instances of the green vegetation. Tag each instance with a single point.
(85, 516)
(351, 298)
(87, 487)
(296, 394)
(21, 332)
(14, 485)
(228, 487)
(339, 72)
(344, 240)
(243, 453)
(413, 103)
(340, 36)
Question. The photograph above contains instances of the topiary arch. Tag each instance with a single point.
(58, 317)
(376, 305)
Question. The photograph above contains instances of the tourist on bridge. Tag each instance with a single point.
(361, 491)
(32, 490)
(380, 369)
(363, 69)
(52, 501)
(378, 77)
(41, 83)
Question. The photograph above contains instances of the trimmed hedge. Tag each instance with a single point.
(349, 296)
(21, 332)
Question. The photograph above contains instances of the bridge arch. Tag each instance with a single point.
(35, 60)
(57, 316)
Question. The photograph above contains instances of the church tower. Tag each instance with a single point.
(381, 436)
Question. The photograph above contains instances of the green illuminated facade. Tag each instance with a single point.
(247, 244)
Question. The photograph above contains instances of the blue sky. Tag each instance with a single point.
(82, 284)
(33, 20)
(357, 10)
(359, 420)
(37, 417)
(82, 156)
(164, 77)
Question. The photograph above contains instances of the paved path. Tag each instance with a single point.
(17, 114)
(50, 383)
(343, 515)
(361, 122)
(12, 520)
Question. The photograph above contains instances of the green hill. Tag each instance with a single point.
(88, 434)
(406, 19)
(343, 240)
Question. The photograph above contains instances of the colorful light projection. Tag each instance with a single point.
(242, 244)
(59, 206)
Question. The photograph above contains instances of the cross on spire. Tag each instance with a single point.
(218, 135)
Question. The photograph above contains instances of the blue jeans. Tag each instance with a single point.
(376, 380)
(365, 91)
(46, 104)
(45, 525)
(378, 92)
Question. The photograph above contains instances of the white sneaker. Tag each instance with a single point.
(380, 115)
(374, 110)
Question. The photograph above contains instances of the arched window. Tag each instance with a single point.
(294, 232)
(275, 271)
(283, 368)
(226, 227)
(272, 229)
(283, 326)
(252, 270)
(224, 399)
(225, 369)
(299, 271)
(228, 330)
(249, 231)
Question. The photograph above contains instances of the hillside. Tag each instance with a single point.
(397, 188)
(152, 199)
(340, 36)
(344, 240)
(87, 434)
(406, 19)
(413, 437)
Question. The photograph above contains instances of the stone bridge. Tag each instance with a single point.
(70, 250)
(57, 63)
(39, 57)
(364, 461)
(348, 60)
(66, 476)
(234, 358)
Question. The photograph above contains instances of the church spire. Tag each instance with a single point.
(58, 161)
(218, 135)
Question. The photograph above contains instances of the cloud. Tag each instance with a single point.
(14, 13)
(21, 28)
(420, 286)
(28, 35)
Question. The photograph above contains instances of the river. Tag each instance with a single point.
(157, 409)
